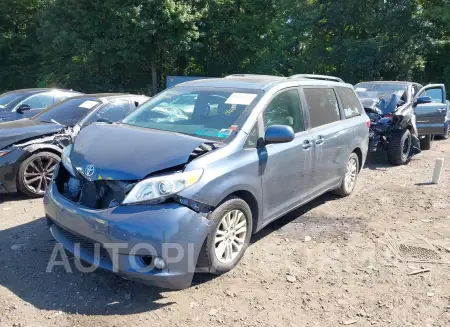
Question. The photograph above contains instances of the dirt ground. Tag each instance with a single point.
(334, 262)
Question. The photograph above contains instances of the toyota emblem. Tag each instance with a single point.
(89, 171)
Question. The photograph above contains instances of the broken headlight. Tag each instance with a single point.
(65, 159)
(159, 189)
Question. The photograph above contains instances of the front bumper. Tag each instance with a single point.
(9, 166)
(126, 234)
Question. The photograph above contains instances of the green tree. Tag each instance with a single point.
(19, 59)
(352, 39)
(232, 35)
(437, 65)
(97, 45)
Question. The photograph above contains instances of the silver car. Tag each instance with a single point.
(181, 194)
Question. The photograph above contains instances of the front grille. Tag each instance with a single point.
(86, 245)
(99, 194)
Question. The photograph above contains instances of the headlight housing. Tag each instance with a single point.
(158, 189)
(4, 152)
(65, 159)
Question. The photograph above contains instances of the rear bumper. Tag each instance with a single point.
(127, 234)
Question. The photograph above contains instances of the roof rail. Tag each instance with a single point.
(253, 76)
(318, 77)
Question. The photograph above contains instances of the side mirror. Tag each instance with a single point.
(104, 120)
(23, 107)
(422, 100)
(279, 134)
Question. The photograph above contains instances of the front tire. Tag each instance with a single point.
(35, 173)
(399, 148)
(351, 175)
(229, 237)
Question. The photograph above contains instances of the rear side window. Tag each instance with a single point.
(350, 103)
(322, 105)
(40, 101)
(113, 112)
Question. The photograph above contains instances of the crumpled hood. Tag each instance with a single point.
(122, 152)
(24, 129)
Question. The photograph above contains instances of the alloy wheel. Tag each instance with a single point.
(38, 174)
(230, 236)
(351, 173)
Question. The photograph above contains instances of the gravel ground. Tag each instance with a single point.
(333, 262)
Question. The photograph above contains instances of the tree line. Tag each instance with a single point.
(131, 45)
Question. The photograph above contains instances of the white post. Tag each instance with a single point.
(438, 170)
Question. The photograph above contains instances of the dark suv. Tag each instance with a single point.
(402, 114)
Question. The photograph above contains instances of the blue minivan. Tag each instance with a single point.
(172, 190)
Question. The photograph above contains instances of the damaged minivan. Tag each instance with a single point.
(176, 189)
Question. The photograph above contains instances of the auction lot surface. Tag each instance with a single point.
(327, 264)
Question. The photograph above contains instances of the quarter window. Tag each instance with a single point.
(253, 137)
(350, 103)
(322, 105)
(285, 109)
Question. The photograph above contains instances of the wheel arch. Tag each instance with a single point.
(35, 148)
(252, 202)
(359, 153)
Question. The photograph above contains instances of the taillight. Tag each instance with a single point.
(368, 123)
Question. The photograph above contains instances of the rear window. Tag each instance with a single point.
(350, 103)
(6, 99)
(322, 105)
(68, 112)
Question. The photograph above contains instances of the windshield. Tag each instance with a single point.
(211, 113)
(380, 90)
(69, 112)
(8, 98)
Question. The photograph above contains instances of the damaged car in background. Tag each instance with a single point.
(405, 117)
(30, 149)
(26, 103)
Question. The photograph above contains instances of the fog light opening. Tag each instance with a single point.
(160, 263)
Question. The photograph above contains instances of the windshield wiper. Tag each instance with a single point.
(51, 122)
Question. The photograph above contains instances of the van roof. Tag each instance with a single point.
(261, 82)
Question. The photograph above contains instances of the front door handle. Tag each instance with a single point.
(306, 144)
(320, 140)
(442, 109)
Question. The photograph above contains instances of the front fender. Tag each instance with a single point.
(30, 149)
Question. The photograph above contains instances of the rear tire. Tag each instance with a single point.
(35, 173)
(426, 143)
(446, 134)
(229, 237)
(351, 175)
(399, 148)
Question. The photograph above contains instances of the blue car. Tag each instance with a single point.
(168, 192)
(27, 103)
